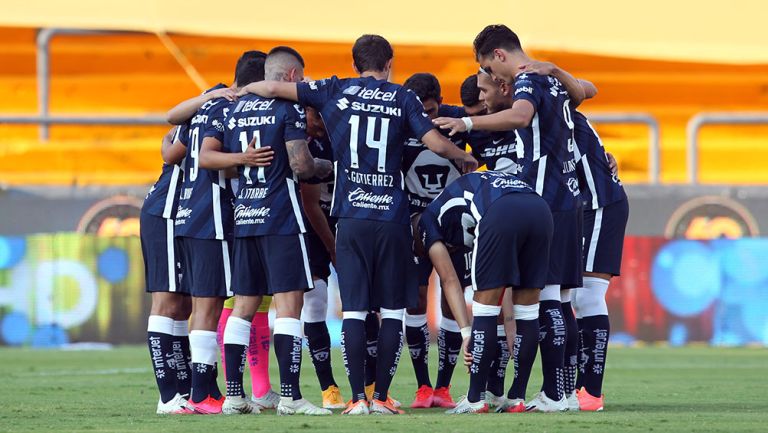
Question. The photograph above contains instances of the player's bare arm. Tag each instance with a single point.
(590, 90)
(303, 164)
(172, 151)
(272, 89)
(310, 199)
(443, 147)
(519, 116)
(574, 87)
(186, 109)
(213, 158)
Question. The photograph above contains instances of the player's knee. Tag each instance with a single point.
(416, 320)
(315, 303)
(526, 296)
(354, 315)
(590, 300)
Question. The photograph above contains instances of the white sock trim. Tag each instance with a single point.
(566, 295)
(238, 331)
(415, 320)
(449, 325)
(315, 303)
(591, 299)
(392, 314)
(160, 324)
(526, 312)
(288, 326)
(483, 310)
(203, 346)
(181, 328)
(356, 315)
(550, 292)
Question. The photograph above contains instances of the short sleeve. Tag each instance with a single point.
(316, 93)
(429, 229)
(214, 126)
(182, 134)
(295, 123)
(417, 118)
(525, 89)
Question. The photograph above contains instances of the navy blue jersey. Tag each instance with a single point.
(546, 158)
(454, 214)
(368, 121)
(599, 186)
(205, 199)
(479, 140)
(499, 151)
(268, 201)
(427, 173)
(321, 148)
(163, 198)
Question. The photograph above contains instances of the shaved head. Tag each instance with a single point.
(284, 64)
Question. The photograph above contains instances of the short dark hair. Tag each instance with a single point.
(424, 85)
(250, 67)
(288, 50)
(470, 94)
(493, 37)
(371, 53)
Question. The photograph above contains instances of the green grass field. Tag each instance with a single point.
(647, 389)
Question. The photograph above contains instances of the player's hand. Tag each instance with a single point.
(323, 168)
(541, 68)
(469, 164)
(257, 157)
(467, 353)
(454, 125)
(226, 93)
(612, 164)
(250, 88)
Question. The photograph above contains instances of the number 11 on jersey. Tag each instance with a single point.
(257, 144)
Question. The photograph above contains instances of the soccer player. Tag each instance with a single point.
(270, 253)
(204, 227)
(508, 228)
(167, 334)
(473, 106)
(316, 194)
(541, 114)
(369, 119)
(426, 175)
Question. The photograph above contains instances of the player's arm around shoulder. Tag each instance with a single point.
(303, 164)
(172, 150)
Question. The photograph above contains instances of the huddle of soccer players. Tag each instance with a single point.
(269, 181)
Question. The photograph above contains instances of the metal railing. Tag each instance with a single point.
(701, 119)
(654, 140)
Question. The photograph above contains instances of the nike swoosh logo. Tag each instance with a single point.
(498, 141)
(467, 276)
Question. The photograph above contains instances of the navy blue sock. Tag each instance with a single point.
(202, 376)
(235, 359)
(183, 359)
(319, 343)
(583, 356)
(571, 359)
(161, 351)
(498, 370)
(371, 343)
(214, 385)
(288, 353)
(353, 351)
(389, 348)
(524, 354)
(448, 348)
(598, 329)
(418, 347)
(483, 344)
(552, 346)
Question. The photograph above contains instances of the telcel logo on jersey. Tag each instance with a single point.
(369, 200)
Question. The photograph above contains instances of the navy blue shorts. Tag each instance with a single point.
(375, 265)
(512, 244)
(162, 263)
(604, 237)
(319, 259)
(266, 265)
(207, 264)
(462, 263)
(565, 264)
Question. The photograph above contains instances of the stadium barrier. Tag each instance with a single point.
(64, 288)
